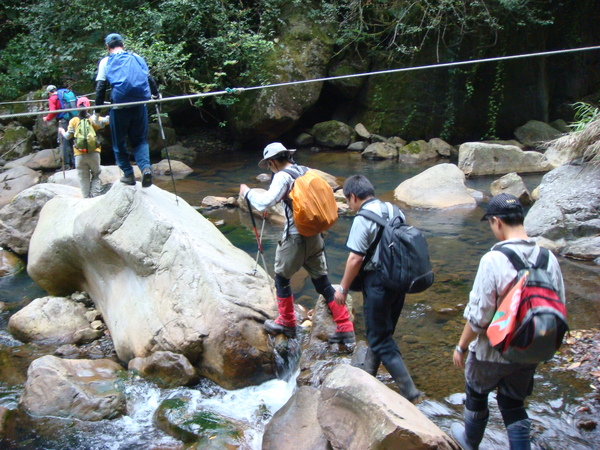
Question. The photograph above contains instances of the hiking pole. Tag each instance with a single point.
(258, 239)
(162, 134)
(59, 139)
(262, 229)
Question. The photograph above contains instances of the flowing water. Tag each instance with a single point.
(427, 332)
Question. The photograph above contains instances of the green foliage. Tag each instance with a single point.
(400, 27)
(495, 102)
(203, 45)
(584, 115)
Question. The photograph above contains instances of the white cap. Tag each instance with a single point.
(271, 151)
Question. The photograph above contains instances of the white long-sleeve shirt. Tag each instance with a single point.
(281, 184)
(494, 278)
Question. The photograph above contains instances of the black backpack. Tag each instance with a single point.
(403, 253)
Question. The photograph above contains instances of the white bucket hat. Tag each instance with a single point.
(271, 151)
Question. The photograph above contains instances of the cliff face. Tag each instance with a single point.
(488, 99)
(469, 102)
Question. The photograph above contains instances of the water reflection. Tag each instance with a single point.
(427, 332)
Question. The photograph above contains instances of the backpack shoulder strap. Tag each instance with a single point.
(373, 217)
(291, 173)
(515, 260)
(542, 259)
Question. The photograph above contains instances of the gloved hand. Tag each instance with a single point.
(156, 97)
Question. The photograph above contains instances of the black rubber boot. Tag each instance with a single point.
(406, 386)
(518, 435)
(371, 364)
(470, 435)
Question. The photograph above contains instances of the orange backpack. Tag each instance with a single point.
(312, 202)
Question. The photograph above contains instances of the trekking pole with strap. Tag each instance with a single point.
(162, 134)
(60, 139)
(260, 249)
(258, 239)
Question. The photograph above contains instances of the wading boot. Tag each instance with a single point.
(344, 333)
(518, 435)
(286, 320)
(367, 361)
(405, 384)
(470, 435)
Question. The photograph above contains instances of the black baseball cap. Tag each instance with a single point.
(502, 205)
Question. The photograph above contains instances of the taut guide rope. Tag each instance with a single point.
(315, 80)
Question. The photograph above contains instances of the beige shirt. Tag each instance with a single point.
(494, 278)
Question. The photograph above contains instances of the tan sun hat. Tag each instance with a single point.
(271, 151)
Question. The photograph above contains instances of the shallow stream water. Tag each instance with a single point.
(427, 332)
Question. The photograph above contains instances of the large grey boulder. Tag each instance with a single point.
(163, 277)
(73, 388)
(49, 320)
(479, 158)
(357, 411)
(14, 181)
(566, 212)
(43, 160)
(534, 133)
(19, 218)
(441, 186)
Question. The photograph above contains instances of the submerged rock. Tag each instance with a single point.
(163, 277)
(73, 388)
(167, 369)
(178, 417)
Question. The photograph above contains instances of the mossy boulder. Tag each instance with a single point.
(16, 141)
(333, 134)
(36, 101)
(302, 53)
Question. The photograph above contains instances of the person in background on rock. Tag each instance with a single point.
(65, 145)
(295, 251)
(131, 82)
(86, 162)
(382, 307)
(485, 369)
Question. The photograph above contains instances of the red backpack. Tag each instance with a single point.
(531, 320)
